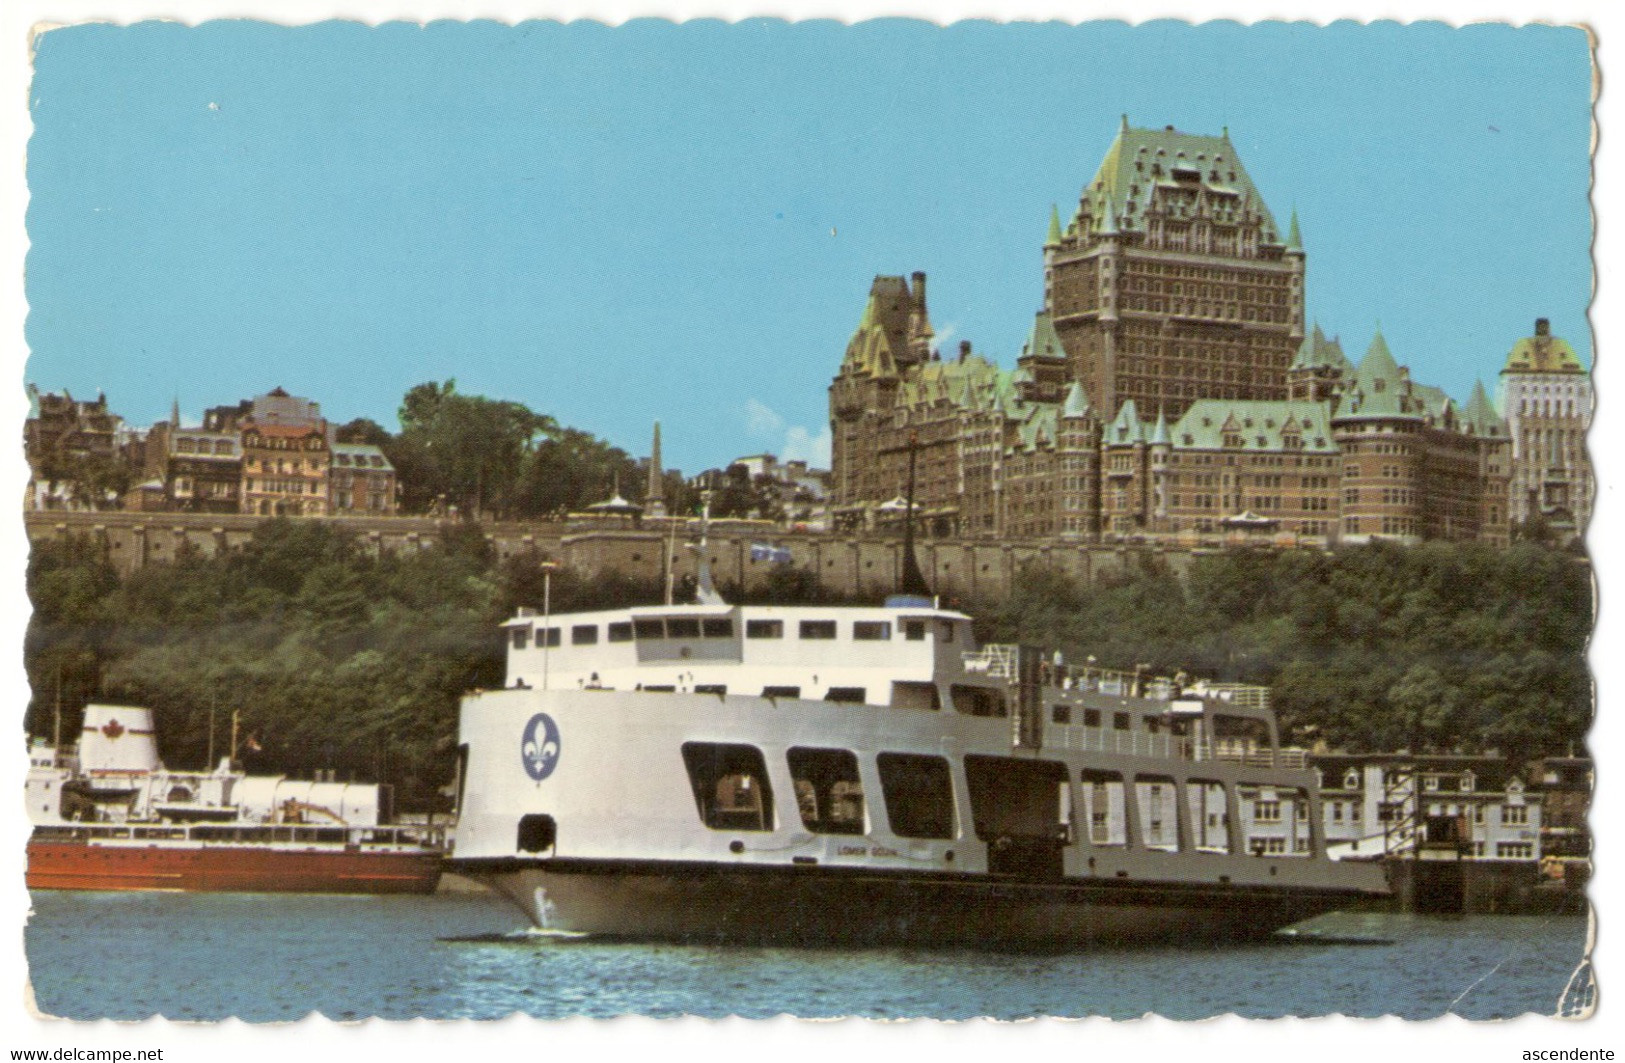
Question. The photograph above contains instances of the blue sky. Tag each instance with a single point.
(680, 223)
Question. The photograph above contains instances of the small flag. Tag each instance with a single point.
(779, 555)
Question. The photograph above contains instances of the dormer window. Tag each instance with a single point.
(1351, 780)
(1468, 782)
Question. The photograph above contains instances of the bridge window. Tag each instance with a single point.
(649, 629)
(871, 630)
(764, 629)
(682, 627)
(846, 695)
(919, 795)
(818, 629)
(718, 627)
(731, 790)
(977, 701)
(548, 636)
(584, 634)
(914, 630)
(521, 637)
(914, 695)
(828, 792)
(620, 631)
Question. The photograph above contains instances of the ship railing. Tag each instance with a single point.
(1250, 756)
(394, 836)
(1123, 743)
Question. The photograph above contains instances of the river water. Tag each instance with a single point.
(277, 957)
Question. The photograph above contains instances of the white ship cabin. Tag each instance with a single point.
(909, 654)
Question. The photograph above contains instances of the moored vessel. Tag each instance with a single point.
(873, 775)
(109, 816)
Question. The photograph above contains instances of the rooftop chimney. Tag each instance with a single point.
(1543, 327)
(964, 349)
(919, 290)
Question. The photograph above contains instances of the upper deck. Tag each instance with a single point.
(914, 656)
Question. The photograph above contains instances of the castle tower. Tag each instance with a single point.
(1172, 281)
(1379, 425)
(1546, 401)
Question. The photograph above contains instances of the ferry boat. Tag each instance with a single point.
(873, 775)
(109, 816)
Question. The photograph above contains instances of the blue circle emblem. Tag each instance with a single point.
(539, 749)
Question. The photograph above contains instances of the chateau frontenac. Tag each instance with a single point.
(1170, 389)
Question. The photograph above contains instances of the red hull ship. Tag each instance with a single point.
(112, 817)
(68, 858)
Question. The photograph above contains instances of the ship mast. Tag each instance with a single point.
(911, 581)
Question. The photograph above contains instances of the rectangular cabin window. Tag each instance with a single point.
(919, 794)
(731, 790)
(781, 692)
(683, 627)
(649, 629)
(1210, 821)
(547, 637)
(818, 629)
(657, 688)
(1105, 807)
(914, 630)
(846, 695)
(1119, 721)
(1091, 717)
(977, 701)
(764, 629)
(945, 629)
(521, 637)
(906, 694)
(871, 630)
(620, 631)
(584, 635)
(717, 627)
(1061, 714)
(1159, 812)
(828, 792)
(711, 688)
(1023, 810)
(1152, 724)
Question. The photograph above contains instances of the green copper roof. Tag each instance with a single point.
(1160, 433)
(1479, 417)
(1077, 403)
(1118, 184)
(1260, 424)
(1317, 352)
(1126, 426)
(869, 351)
(1379, 389)
(1054, 227)
(1294, 241)
(1043, 340)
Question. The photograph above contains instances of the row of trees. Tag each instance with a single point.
(1438, 647)
(500, 459)
(338, 659)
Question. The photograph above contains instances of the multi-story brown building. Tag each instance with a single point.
(204, 471)
(1172, 282)
(362, 481)
(1546, 400)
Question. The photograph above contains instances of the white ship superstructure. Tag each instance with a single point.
(872, 774)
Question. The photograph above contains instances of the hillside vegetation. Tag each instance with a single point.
(333, 658)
